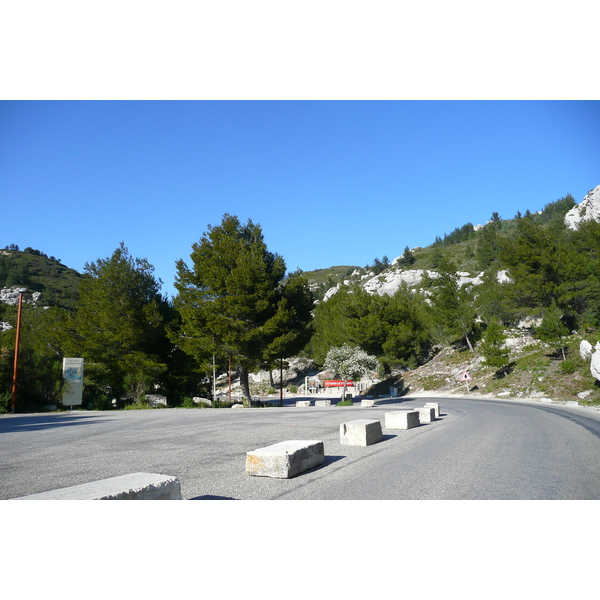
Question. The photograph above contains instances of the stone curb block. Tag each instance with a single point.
(135, 486)
(426, 414)
(302, 403)
(435, 405)
(285, 459)
(322, 402)
(367, 403)
(402, 419)
(362, 432)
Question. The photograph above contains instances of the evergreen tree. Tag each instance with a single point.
(488, 247)
(534, 261)
(492, 346)
(120, 326)
(552, 330)
(407, 259)
(234, 302)
(453, 312)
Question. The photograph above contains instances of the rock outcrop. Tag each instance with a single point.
(585, 350)
(587, 210)
(389, 283)
(10, 295)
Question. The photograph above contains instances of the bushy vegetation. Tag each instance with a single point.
(235, 302)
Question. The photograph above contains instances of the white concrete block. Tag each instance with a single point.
(402, 419)
(435, 405)
(426, 414)
(285, 459)
(322, 402)
(367, 403)
(135, 486)
(362, 432)
(302, 403)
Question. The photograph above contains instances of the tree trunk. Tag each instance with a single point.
(245, 383)
(469, 343)
(344, 392)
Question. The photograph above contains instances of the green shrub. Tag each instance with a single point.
(189, 403)
(293, 389)
(568, 367)
(5, 403)
(347, 402)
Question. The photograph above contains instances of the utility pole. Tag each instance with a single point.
(17, 340)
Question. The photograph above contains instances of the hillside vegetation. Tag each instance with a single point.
(509, 302)
(39, 273)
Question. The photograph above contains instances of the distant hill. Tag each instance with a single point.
(36, 271)
(472, 248)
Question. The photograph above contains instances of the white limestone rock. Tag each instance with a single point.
(587, 210)
(595, 365)
(585, 350)
(10, 296)
(198, 400)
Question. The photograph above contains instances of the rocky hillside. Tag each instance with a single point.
(460, 246)
(52, 283)
(536, 372)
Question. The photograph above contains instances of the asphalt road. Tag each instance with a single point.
(478, 449)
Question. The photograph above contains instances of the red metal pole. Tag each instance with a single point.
(14, 381)
(281, 382)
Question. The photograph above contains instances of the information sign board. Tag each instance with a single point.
(73, 376)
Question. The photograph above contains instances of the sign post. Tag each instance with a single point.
(466, 378)
(73, 376)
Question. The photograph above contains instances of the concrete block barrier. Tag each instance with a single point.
(285, 459)
(135, 486)
(426, 414)
(322, 402)
(435, 405)
(402, 419)
(302, 403)
(367, 403)
(362, 432)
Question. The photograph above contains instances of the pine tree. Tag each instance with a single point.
(552, 330)
(234, 302)
(119, 327)
(453, 312)
(492, 346)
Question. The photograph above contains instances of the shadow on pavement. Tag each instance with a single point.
(37, 422)
(210, 497)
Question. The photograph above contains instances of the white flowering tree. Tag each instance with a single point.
(349, 362)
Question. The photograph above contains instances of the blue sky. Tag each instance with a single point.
(330, 182)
